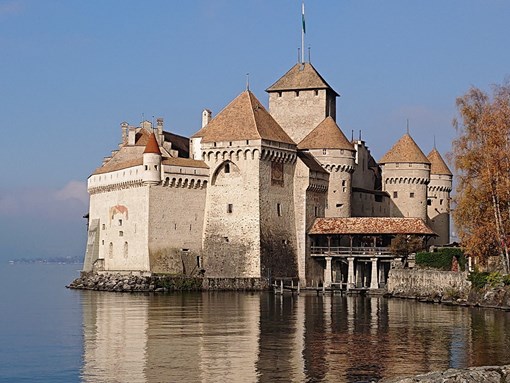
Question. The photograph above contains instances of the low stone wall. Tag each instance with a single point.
(163, 283)
(490, 374)
(491, 297)
(430, 285)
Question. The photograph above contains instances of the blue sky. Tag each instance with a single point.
(71, 71)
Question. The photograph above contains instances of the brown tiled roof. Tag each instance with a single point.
(126, 157)
(405, 150)
(152, 145)
(370, 225)
(142, 137)
(243, 119)
(437, 164)
(184, 162)
(326, 135)
(300, 76)
(310, 161)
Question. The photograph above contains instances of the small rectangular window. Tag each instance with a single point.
(440, 201)
(104, 226)
(120, 222)
(316, 92)
(279, 209)
(297, 93)
(395, 194)
(121, 233)
(230, 208)
(411, 195)
(324, 151)
(227, 168)
(429, 202)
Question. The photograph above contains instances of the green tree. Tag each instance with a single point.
(481, 159)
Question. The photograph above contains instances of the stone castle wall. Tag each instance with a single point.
(299, 112)
(231, 240)
(176, 223)
(406, 183)
(438, 211)
(123, 227)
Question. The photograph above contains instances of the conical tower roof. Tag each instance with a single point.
(405, 150)
(326, 135)
(243, 119)
(301, 76)
(437, 164)
(152, 145)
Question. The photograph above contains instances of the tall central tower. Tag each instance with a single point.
(301, 100)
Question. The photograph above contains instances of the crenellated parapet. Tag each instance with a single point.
(339, 168)
(407, 180)
(248, 154)
(115, 186)
(185, 182)
(439, 188)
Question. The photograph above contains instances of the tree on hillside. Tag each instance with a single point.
(481, 159)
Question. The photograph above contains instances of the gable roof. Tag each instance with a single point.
(437, 164)
(300, 76)
(371, 225)
(405, 150)
(326, 135)
(243, 119)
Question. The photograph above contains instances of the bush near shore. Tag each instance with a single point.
(441, 259)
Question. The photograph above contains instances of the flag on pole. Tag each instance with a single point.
(303, 16)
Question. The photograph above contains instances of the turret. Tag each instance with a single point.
(335, 153)
(438, 203)
(152, 162)
(405, 176)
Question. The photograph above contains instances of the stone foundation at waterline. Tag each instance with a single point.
(428, 285)
(489, 374)
(163, 283)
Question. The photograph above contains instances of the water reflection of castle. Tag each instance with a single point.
(264, 338)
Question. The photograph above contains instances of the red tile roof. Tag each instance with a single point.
(437, 164)
(370, 225)
(405, 150)
(152, 145)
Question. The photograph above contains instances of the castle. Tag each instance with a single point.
(264, 194)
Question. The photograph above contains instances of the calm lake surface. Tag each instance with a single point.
(51, 334)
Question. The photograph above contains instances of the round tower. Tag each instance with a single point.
(405, 176)
(330, 147)
(438, 203)
(152, 162)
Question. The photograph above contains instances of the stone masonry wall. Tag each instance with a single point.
(176, 224)
(428, 284)
(298, 114)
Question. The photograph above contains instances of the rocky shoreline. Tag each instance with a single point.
(486, 374)
(132, 283)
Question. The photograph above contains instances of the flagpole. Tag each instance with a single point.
(303, 32)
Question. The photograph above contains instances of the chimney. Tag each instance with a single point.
(159, 124)
(124, 128)
(131, 135)
(206, 117)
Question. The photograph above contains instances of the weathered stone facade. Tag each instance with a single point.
(238, 198)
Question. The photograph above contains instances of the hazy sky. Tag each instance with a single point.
(72, 71)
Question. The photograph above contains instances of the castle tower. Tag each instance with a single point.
(301, 100)
(330, 147)
(405, 176)
(152, 162)
(250, 221)
(438, 203)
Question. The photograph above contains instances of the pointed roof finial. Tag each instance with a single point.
(407, 126)
(247, 81)
(303, 31)
(434, 141)
(309, 55)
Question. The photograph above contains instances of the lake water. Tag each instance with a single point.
(51, 334)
